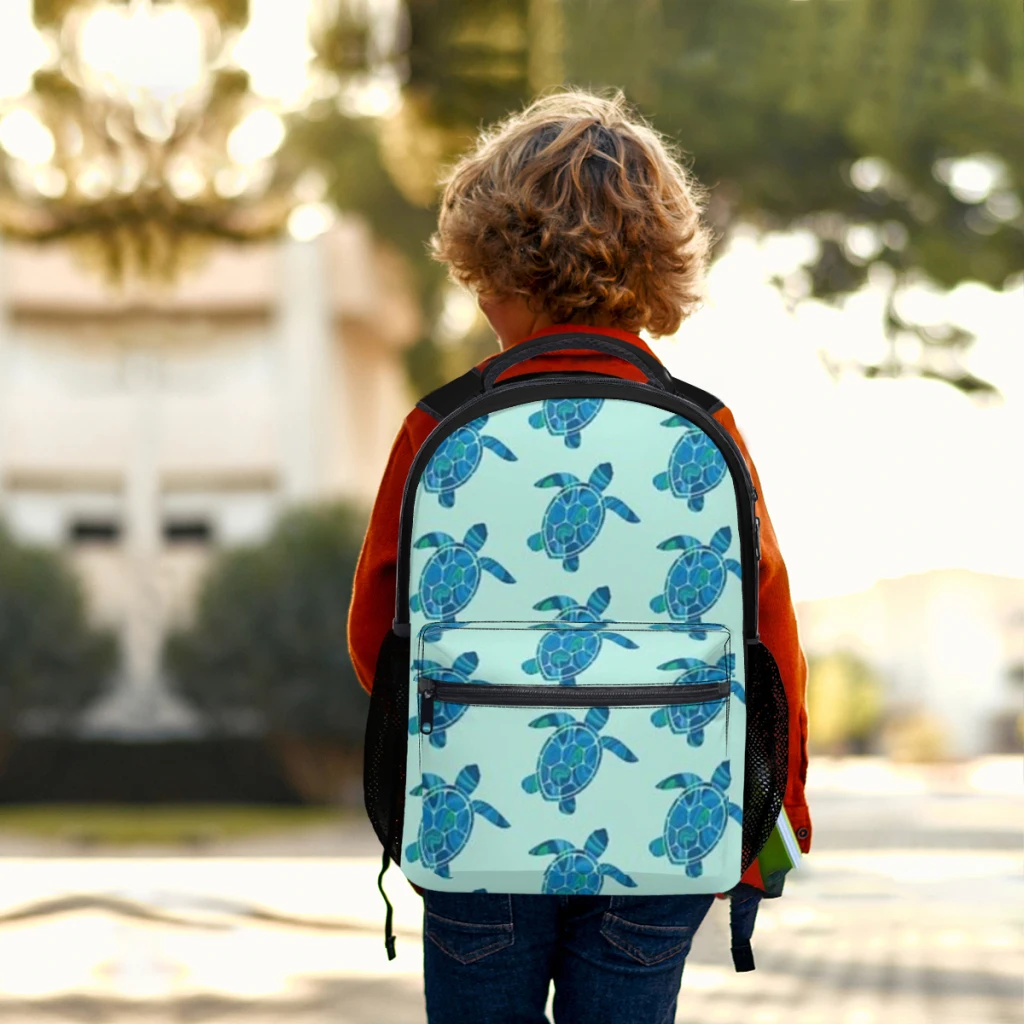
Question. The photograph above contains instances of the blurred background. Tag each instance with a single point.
(216, 307)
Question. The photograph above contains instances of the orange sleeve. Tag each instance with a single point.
(778, 629)
(373, 590)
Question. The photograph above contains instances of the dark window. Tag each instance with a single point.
(95, 531)
(188, 531)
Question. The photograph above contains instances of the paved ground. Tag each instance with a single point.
(908, 912)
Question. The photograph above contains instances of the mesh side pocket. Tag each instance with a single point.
(384, 750)
(767, 750)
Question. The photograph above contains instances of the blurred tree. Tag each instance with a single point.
(893, 130)
(466, 63)
(52, 663)
(844, 704)
(267, 647)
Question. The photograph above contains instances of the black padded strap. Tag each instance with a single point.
(744, 901)
(448, 397)
(707, 401)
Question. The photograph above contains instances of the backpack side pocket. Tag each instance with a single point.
(767, 759)
(384, 749)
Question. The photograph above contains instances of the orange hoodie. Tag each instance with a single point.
(373, 595)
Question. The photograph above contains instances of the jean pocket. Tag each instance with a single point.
(466, 925)
(653, 930)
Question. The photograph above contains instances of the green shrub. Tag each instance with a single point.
(267, 647)
(53, 664)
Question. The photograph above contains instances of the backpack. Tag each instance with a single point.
(573, 698)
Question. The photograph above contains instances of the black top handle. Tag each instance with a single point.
(653, 370)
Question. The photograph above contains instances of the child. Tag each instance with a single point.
(571, 212)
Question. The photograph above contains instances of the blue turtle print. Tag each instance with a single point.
(695, 466)
(562, 654)
(696, 822)
(445, 715)
(458, 457)
(571, 756)
(696, 579)
(447, 819)
(576, 872)
(451, 576)
(575, 515)
(690, 719)
(566, 417)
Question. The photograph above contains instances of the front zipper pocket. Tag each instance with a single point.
(604, 735)
(432, 691)
(569, 664)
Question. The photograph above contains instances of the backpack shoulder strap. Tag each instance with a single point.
(443, 401)
(707, 401)
(744, 900)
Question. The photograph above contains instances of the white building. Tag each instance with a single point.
(949, 642)
(141, 429)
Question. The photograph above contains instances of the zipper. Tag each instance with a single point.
(530, 696)
(511, 394)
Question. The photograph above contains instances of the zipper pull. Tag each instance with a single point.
(757, 536)
(426, 706)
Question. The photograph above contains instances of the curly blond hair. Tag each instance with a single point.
(578, 205)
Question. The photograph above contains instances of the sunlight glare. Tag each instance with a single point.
(23, 51)
(274, 50)
(971, 179)
(309, 221)
(159, 52)
(25, 137)
(255, 137)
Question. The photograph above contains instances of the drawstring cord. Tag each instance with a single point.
(389, 935)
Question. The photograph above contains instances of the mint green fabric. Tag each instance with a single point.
(551, 515)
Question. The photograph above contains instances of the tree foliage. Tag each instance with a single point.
(268, 637)
(892, 129)
(868, 122)
(53, 664)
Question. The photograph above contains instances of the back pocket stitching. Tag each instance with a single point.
(634, 951)
(502, 941)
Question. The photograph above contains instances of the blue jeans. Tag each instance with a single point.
(489, 958)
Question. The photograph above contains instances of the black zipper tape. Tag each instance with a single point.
(505, 396)
(541, 696)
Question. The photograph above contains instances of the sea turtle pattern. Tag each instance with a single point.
(697, 820)
(562, 654)
(576, 872)
(445, 715)
(575, 515)
(458, 457)
(451, 576)
(447, 816)
(566, 417)
(696, 579)
(695, 466)
(571, 755)
(690, 719)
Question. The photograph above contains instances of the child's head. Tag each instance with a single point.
(578, 207)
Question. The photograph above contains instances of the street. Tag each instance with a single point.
(907, 912)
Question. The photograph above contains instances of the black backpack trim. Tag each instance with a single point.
(443, 401)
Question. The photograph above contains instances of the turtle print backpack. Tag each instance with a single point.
(573, 698)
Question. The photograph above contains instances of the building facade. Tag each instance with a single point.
(142, 430)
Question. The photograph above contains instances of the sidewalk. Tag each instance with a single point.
(916, 922)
